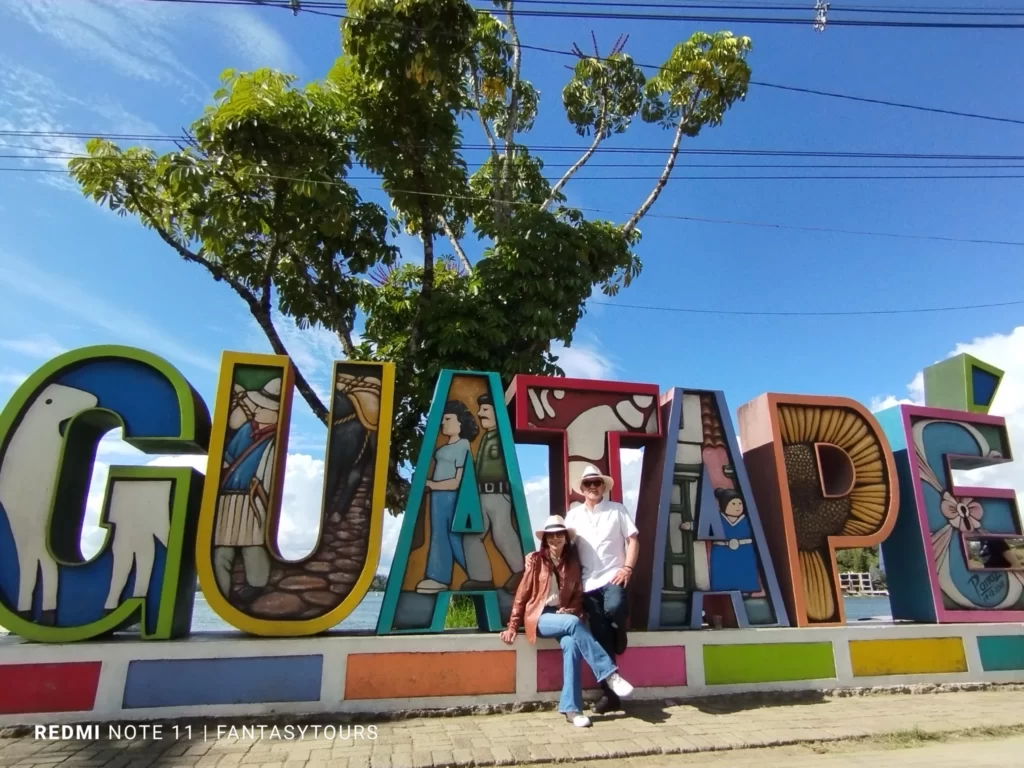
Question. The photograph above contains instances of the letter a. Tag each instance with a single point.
(466, 529)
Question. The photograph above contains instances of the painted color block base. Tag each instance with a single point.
(406, 675)
(757, 663)
(936, 655)
(999, 654)
(48, 687)
(643, 667)
(226, 675)
(192, 682)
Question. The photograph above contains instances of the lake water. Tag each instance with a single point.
(364, 617)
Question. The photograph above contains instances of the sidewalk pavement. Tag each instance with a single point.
(995, 753)
(646, 728)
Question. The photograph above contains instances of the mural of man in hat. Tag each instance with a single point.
(244, 502)
(496, 506)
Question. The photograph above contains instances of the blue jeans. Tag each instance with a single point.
(605, 606)
(445, 545)
(577, 643)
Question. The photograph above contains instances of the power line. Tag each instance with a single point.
(679, 217)
(682, 177)
(763, 6)
(837, 313)
(605, 150)
(777, 86)
(56, 154)
(662, 17)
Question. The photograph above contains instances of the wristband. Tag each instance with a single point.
(628, 568)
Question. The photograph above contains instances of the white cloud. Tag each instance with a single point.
(1005, 351)
(12, 379)
(142, 41)
(39, 346)
(255, 41)
(123, 326)
(915, 390)
(583, 361)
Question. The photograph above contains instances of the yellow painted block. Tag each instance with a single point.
(907, 657)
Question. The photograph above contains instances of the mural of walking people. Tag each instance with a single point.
(496, 506)
(446, 546)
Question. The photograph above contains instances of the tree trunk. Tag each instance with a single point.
(311, 398)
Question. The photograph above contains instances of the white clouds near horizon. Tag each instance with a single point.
(1005, 351)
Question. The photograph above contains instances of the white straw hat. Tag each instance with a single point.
(590, 473)
(555, 524)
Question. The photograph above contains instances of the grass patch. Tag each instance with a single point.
(913, 738)
(461, 613)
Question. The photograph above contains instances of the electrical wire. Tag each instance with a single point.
(811, 313)
(676, 217)
(554, 51)
(572, 149)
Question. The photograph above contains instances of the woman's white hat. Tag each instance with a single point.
(555, 524)
(590, 473)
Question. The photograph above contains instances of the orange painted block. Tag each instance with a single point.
(415, 675)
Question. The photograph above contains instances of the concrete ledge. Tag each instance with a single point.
(462, 672)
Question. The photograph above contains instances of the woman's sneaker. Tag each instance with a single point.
(578, 719)
(618, 685)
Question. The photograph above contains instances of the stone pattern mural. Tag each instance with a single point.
(239, 558)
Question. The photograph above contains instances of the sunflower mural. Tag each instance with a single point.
(839, 486)
(824, 478)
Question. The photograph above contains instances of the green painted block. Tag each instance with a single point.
(768, 662)
(1001, 653)
(961, 383)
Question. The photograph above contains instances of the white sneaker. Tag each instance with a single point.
(619, 687)
(430, 587)
(579, 720)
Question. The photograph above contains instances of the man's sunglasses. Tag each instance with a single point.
(592, 483)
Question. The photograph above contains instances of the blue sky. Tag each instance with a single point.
(74, 275)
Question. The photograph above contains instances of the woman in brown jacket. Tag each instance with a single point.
(549, 602)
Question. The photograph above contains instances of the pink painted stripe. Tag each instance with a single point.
(948, 616)
(984, 493)
(945, 413)
(654, 667)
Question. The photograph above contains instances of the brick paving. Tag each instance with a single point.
(536, 737)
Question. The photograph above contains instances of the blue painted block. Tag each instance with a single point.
(983, 385)
(1001, 653)
(191, 682)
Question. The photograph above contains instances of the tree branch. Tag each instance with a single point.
(483, 122)
(513, 103)
(663, 179)
(598, 138)
(280, 193)
(256, 308)
(345, 337)
(463, 259)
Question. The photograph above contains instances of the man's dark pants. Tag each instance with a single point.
(605, 607)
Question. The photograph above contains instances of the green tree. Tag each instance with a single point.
(258, 195)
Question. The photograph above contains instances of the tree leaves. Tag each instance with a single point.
(258, 194)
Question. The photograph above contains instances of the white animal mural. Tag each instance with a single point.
(27, 479)
(141, 513)
(139, 510)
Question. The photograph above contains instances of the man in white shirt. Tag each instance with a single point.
(607, 542)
